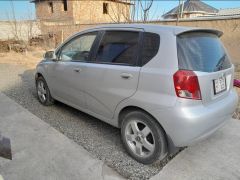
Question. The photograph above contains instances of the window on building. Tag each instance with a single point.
(50, 4)
(118, 47)
(64, 5)
(105, 8)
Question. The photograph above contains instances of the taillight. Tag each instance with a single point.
(186, 85)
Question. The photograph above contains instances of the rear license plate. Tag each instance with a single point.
(219, 85)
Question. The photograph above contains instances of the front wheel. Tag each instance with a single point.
(43, 92)
(143, 137)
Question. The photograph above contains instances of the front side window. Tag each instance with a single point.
(78, 49)
(118, 47)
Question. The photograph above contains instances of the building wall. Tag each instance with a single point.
(86, 12)
(186, 15)
(43, 10)
(83, 11)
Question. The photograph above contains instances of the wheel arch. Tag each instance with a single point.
(38, 74)
(171, 148)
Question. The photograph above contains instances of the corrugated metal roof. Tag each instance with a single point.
(192, 6)
(229, 12)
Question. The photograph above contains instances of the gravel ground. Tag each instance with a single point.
(100, 139)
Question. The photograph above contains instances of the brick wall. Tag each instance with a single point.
(43, 10)
(81, 12)
(86, 12)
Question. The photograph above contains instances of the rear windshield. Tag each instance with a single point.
(201, 52)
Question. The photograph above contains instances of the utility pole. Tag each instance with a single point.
(178, 12)
(182, 5)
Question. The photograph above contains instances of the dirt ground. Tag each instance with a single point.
(28, 59)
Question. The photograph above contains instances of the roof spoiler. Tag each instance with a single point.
(212, 31)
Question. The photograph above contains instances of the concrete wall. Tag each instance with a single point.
(7, 29)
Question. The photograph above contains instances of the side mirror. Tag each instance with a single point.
(50, 55)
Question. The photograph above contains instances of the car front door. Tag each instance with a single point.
(113, 76)
(67, 74)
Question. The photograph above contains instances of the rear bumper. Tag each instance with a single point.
(187, 125)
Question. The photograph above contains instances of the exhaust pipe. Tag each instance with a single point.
(5, 148)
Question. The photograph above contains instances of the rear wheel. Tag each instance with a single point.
(43, 92)
(143, 137)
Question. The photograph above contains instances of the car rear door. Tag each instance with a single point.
(203, 53)
(113, 74)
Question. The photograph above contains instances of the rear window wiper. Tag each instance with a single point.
(220, 63)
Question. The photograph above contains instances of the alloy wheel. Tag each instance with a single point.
(42, 91)
(139, 138)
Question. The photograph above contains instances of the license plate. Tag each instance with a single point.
(219, 85)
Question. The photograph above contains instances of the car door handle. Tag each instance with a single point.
(77, 70)
(126, 75)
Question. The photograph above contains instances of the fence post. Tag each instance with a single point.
(62, 36)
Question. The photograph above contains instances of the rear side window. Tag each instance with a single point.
(201, 52)
(118, 47)
(151, 42)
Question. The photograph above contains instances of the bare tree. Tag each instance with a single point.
(138, 10)
(14, 26)
(146, 6)
(30, 25)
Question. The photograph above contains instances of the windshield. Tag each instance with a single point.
(201, 52)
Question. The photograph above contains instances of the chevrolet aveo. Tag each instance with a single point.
(166, 87)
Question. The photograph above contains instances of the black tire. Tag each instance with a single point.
(157, 133)
(49, 100)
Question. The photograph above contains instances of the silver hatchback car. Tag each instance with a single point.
(166, 87)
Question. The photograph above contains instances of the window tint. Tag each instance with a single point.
(78, 49)
(118, 47)
(151, 42)
(201, 52)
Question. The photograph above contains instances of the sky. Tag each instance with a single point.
(24, 9)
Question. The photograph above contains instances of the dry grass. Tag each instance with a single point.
(28, 59)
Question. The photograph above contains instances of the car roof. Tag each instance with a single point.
(156, 28)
